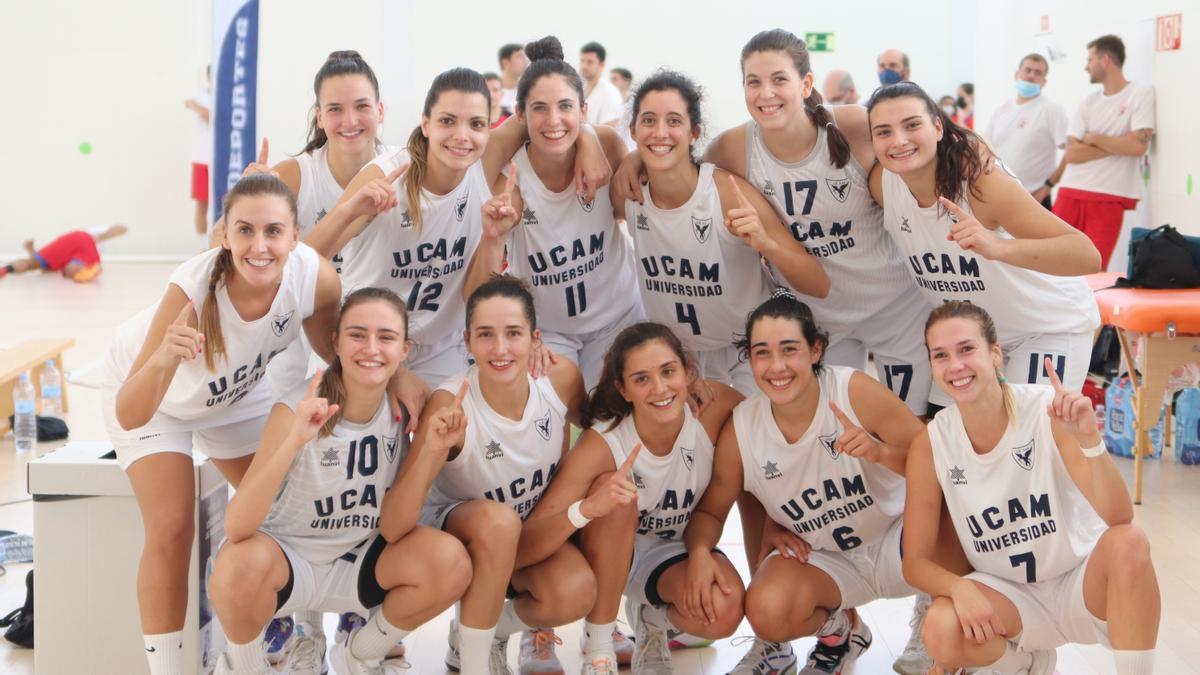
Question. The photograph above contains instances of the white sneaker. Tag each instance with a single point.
(307, 655)
(452, 660)
(537, 655)
(622, 645)
(915, 660)
(835, 651)
(766, 658)
(278, 639)
(600, 663)
(393, 662)
(498, 658)
(651, 656)
(345, 663)
(224, 667)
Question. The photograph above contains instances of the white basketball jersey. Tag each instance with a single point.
(504, 460)
(669, 486)
(425, 266)
(1020, 301)
(231, 390)
(829, 499)
(695, 276)
(831, 213)
(1015, 508)
(330, 498)
(576, 259)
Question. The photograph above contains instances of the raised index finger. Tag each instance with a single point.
(628, 463)
(510, 181)
(837, 412)
(314, 383)
(396, 173)
(263, 153)
(462, 394)
(953, 208)
(184, 314)
(737, 190)
(1052, 374)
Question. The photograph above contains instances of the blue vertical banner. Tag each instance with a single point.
(235, 93)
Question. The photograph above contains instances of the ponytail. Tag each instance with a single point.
(210, 315)
(333, 390)
(821, 117)
(418, 163)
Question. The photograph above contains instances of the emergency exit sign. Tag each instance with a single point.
(819, 42)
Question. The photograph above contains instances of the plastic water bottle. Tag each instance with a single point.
(51, 382)
(25, 414)
(16, 548)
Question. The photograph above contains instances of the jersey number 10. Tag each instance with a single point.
(364, 456)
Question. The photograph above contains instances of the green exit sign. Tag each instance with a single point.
(819, 42)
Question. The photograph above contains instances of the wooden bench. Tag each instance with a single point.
(31, 356)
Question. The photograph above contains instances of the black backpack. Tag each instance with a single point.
(1162, 259)
(19, 622)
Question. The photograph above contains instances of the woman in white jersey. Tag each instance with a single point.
(486, 480)
(1041, 511)
(970, 231)
(700, 234)
(187, 374)
(636, 474)
(576, 259)
(419, 240)
(313, 524)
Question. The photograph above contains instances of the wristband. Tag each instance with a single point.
(575, 515)
(1094, 451)
(1049, 184)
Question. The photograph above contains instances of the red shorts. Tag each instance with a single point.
(200, 182)
(77, 245)
(1097, 215)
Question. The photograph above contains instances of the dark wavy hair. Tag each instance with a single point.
(670, 80)
(606, 404)
(784, 305)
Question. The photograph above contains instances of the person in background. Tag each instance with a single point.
(948, 106)
(622, 79)
(838, 88)
(202, 145)
(512, 64)
(893, 66)
(1106, 139)
(965, 102)
(496, 88)
(75, 255)
(603, 99)
(1027, 132)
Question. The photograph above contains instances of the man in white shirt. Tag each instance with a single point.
(512, 63)
(1028, 132)
(1105, 142)
(602, 97)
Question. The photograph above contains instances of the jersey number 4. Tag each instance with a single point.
(686, 313)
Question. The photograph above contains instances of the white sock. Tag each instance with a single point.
(656, 617)
(247, 658)
(374, 639)
(314, 619)
(838, 624)
(473, 647)
(509, 622)
(1012, 661)
(1134, 662)
(598, 636)
(164, 653)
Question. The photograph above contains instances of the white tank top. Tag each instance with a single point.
(669, 486)
(426, 267)
(1020, 301)
(695, 276)
(319, 190)
(833, 501)
(232, 391)
(831, 213)
(504, 460)
(330, 498)
(1015, 508)
(577, 260)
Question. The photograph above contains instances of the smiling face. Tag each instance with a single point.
(457, 129)
(655, 383)
(500, 339)
(663, 130)
(1095, 66)
(781, 359)
(370, 342)
(260, 233)
(553, 115)
(348, 112)
(904, 134)
(964, 365)
(774, 89)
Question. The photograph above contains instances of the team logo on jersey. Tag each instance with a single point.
(904, 227)
(406, 219)
(529, 217)
(771, 471)
(493, 450)
(701, 228)
(460, 206)
(958, 476)
(321, 214)
(637, 481)
(279, 322)
(330, 457)
(689, 457)
(1023, 456)
(829, 443)
(389, 447)
(840, 188)
(585, 204)
(542, 424)
(768, 188)
(642, 223)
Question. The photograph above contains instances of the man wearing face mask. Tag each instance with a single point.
(893, 66)
(1028, 131)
